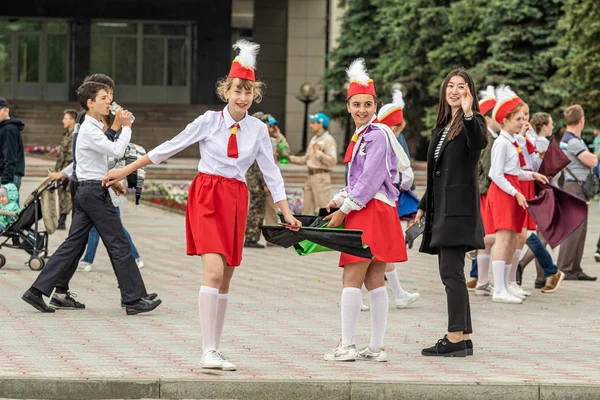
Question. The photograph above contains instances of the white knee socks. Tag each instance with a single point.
(221, 308)
(498, 269)
(350, 305)
(378, 299)
(483, 268)
(512, 276)
(208, 299)
(392, 278)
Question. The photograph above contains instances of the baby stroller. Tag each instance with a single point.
(24, 233)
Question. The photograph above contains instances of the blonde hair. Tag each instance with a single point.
(225, 84)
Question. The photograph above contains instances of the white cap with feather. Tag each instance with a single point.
(244, 64)
(360, 82)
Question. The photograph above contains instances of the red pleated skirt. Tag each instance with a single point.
(382, 232)
(528, 190)
(215, 218)
(483, 208)
(503, 210)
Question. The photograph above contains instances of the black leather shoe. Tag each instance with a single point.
(36, 302)
(539, 284)
(445, 348)
(142, 306)
(585, 277)
(151, 296)
(469, 343)
(520, 269)
(570, 277)
(69, 303)
(254, 245)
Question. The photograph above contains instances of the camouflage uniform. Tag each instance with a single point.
(64, 158)
(256, 212)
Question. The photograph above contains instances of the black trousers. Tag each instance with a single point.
(93, 207)
(452, 271)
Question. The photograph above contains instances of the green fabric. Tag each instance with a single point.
(596, 145)
(12, 205)
(483, 167)
(307, 247)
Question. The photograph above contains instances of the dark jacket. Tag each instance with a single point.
(451, 200)
(12, 156)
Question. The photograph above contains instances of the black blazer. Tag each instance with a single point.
(451, 200)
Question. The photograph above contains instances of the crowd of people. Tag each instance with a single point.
(482, 162)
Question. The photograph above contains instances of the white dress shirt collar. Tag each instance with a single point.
(94, 121)
(229, 121)
(511, 138)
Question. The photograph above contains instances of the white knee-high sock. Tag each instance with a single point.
(379, 314)
(351, 303)
(394, 281)
(512, 276)
(483, 268)
(221, 309)
(499, 277)
(207, 307)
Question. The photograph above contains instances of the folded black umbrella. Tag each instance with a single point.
(314, 237)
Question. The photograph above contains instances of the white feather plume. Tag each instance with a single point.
(397, 98)
(358, 72)
(248, 52)
(488, 93)
(504, 93)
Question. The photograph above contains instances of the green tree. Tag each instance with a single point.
(579, 75)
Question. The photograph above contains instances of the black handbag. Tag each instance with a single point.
(590, 185)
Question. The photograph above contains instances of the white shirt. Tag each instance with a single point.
(94, 149)
(532, 161)
(505, 160)
(491, 131)
(212, 130)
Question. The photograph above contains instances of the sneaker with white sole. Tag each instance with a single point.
(515, 290)
(404, 302)
(519, 289)
(506, 298)
(485, 289)
(364, 307)
(214, 359)
(226, 365)
(84, 266)
(341, 353)
(139, 263)
(366, 354)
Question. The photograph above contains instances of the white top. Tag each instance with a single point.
(212, 131)
(94, 149)
(505, 160)
(532, 161)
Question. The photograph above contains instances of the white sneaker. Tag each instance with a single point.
(518, 289)
(364, 307)
(341, 353)
(139, 263)
(506, 298)
(410, 298)
(84, 266)
(514, 290)
(484, 290)
(214, 359)
(367, 354)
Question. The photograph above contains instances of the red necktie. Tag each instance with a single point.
(521, 156)
(232, 147)
(351, 145)
(530, 147)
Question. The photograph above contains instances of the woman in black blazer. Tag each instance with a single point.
(450, 204)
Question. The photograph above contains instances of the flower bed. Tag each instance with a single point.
(174, 197)
(47, 152)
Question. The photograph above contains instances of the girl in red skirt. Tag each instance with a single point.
(230, 141)
(506, 205)
(368, 203)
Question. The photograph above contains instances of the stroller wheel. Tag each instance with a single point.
(2, 261)
(36, 264)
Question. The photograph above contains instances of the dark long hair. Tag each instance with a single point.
(444, 114)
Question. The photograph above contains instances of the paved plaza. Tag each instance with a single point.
(283, 315)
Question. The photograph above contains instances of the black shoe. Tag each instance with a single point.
(69, 302)
(597, 255)
(36, 302)
(142, 306)
(254, 245)
(151, 296)
(520, 269)
(539, 284)
(585, 277)
(469, 343)
(445, 348)
(570, 277)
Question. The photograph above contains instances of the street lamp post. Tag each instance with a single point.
(307, 93)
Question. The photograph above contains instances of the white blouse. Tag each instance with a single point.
(505, 160)
(532, 161)
(212, 130)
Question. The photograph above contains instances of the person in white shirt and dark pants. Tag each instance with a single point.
(93, 207)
